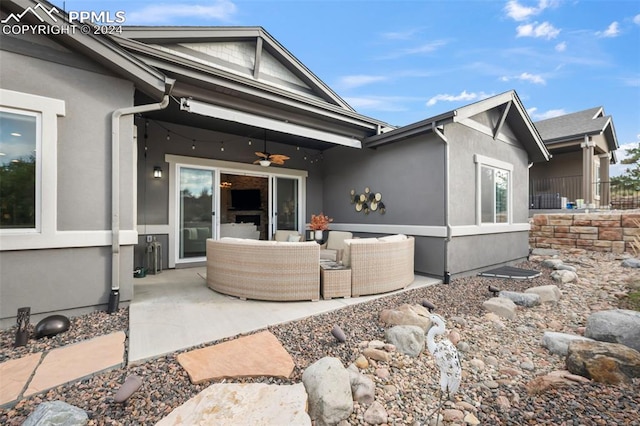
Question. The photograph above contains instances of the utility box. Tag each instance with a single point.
(154, 258)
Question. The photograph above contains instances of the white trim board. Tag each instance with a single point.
(65, 239)
(432, 231)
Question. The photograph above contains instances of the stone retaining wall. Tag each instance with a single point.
(607, 232)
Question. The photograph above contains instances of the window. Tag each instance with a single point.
(494, 194)
(19, 169)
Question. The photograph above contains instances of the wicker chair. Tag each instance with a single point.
(264, 270)
(382, 266)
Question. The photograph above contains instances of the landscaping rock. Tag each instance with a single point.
(558, 343)
(555, 379)
(631, 263)
(363, 389)
(329, 388)
(563, 267)
(523, 299)
(407, 315)
(551, 263)
(547, 293)
(375, 414)
(500, 306)
(338, 334)
(254, 403)
(564, 276)
(56, 413)
(610, 363)
(377, 354)
(616, 326)
(408, 339)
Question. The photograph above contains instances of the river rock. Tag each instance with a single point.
(408, 339)
(500, 306)
(407, 315)
(616, 326)
(610, 363)
(56, 413)
(558, 343)
(547, 293)
(329, 388)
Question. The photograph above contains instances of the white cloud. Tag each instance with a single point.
(561, 47)
(463, 96)
(621, 153)
(612, 30)
(636, 19)
(525, 76)
(220, 10)
(351, 81)
(536, 116)
(518, 12)
(376, 103)
(400, 35)
(544, 30)
(424, 48)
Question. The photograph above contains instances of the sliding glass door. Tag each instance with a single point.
(286, 205)
(196, 211)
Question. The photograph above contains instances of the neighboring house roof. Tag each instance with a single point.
(511, 112)
(577, 125)
(96, 47)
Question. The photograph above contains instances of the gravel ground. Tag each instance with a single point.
(499, 358)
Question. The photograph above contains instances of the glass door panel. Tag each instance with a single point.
(196, 201)
(286, 204)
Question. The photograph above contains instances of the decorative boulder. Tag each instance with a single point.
(500, 306)
(52, 325)
(329, 388)
(56, 413)
(603, 362)
(547, 293)
(523, 299)
(408, 339)
(558, 343)
(616, 326)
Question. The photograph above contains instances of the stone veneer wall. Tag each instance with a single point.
(607, 232)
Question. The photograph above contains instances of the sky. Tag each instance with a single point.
(404, 61)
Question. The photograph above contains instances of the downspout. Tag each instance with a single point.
(446, 279)
(114, 297)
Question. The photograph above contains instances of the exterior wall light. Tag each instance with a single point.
(157, 172)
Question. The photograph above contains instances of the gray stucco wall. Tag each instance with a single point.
(62, 279)
(469, 254)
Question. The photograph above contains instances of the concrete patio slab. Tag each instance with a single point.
(175, 310)
(259, 354)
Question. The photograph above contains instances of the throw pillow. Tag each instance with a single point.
(293, 238)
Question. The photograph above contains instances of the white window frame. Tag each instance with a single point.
(482, 161)
(38, 179)
(48, 110)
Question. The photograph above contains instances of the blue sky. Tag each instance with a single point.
(403, 61)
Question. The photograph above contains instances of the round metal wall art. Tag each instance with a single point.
(368, 201)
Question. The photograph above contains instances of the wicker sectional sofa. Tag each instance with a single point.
(379, 265)
(264, 270)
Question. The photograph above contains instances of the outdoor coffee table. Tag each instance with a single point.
(335, 280)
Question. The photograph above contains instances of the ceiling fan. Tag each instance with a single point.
(267, 159)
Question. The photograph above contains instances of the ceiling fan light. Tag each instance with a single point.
(265, 163)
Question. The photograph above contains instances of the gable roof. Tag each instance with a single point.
(577, 125)
(512, 112)
(236, 52)
(96, 47)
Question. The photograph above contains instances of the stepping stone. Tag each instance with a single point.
(243, 403)
(259, 354)
(79, 360)
(15, 374)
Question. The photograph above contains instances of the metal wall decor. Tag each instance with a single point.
(368, 201)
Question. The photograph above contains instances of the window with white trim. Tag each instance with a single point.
(20, 167)
(494, 190)
(28, 162)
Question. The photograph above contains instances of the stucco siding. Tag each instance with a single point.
(465, 144)
(408, 175)
(69, 281)
(75, 273)
(469, 254)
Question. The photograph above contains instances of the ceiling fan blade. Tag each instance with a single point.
(262, 154)
(257, 161)
(278, 162)
(279, 157)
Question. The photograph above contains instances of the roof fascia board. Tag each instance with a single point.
(215, 76)
(539, 143)
(411, 130)
(103, 51)
(192, 34)
(483, 105)
(228, 114)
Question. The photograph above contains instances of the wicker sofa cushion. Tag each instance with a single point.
(346, 255)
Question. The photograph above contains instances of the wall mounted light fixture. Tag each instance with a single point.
(157, 172)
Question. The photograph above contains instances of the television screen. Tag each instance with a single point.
(245, 199)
